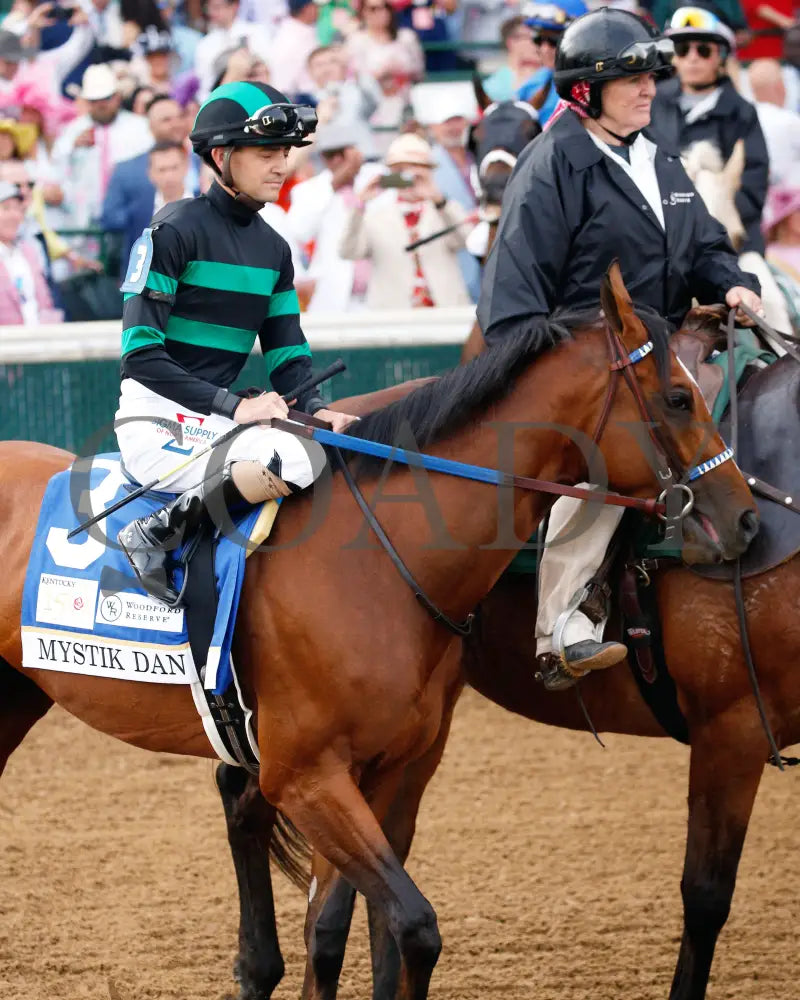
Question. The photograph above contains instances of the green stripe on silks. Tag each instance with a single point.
(158, 282)
(280, 355)
(251, 98)
(747, 350)
(140, 336)
(224, 338)
(230, 277)
(284, 304)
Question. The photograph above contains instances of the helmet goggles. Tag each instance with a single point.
(641, 57)
(278, 121)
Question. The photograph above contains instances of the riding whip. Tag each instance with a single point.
(474, 217)
(333, 369)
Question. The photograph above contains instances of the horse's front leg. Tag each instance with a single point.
(328, 924)
(250, 820)
(727, 759)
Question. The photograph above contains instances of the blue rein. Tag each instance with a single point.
(480, 473)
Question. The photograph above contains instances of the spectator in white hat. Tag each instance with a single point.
(379, 228)
(24, 295)
(319, 212)
(86, 152)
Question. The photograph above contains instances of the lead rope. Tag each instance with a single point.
(741, 610)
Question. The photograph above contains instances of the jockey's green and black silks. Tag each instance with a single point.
(217, 278)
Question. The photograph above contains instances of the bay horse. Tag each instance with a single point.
(728, 744)
(343, 707)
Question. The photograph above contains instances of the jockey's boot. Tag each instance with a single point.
(580, 658)
(148, 540)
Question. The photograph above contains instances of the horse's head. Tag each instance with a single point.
(654, 388)
(498, 138)
(717, 183)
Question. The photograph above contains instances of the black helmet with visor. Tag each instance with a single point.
(607, 44)
(248, 114)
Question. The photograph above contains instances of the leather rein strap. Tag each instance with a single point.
(303, 425)
(738, 593)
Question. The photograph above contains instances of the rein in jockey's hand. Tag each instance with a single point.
(738, 295)
(339, 421)
(263, 407)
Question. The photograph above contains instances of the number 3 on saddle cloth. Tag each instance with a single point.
(84, 613)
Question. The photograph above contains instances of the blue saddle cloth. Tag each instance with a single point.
(82, 608)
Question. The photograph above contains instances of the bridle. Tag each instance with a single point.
(677, 498)
(673, 504)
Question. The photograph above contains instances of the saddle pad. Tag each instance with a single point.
(769, 447)
(83, 610)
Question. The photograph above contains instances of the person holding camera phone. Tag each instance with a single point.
(410, 207)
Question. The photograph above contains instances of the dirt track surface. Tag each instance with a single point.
(554, 867)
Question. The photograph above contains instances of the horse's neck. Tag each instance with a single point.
(459, 535)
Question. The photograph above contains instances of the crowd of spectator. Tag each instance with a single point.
(97, 99)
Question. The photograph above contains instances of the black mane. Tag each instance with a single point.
(440, 408)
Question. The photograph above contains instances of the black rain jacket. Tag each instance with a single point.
(732, 118)
(569, 210)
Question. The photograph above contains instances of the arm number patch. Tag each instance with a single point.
(139, 263)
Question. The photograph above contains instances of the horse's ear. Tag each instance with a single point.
(618, 309)
(537, 100)
(734, 168)
(705, 324)
(481, 96)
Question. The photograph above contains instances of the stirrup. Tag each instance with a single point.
(554, 674)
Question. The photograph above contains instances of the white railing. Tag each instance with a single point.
(342, 331)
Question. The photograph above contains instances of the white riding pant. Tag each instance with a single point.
(150, 449)
(578, 535)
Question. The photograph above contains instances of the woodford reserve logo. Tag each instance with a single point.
(99, 657)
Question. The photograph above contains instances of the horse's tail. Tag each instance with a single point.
(291, 852)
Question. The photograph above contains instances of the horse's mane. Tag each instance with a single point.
(442, 407)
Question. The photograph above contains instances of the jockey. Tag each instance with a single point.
(547, 22)
(594, 187)
(204, 280)
(701, 103)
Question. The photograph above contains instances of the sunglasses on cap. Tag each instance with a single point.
(641, 57)
(545, 40)
(704, 49)
(275, 121)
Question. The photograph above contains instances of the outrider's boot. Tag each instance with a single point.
(147, 541)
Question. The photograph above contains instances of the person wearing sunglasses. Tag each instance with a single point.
(701, 103)
(206, 278)
(547, 22)
(596, 186)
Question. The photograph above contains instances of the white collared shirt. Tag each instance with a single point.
(21, 275)
(641, 169)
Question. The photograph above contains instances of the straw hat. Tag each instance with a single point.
(411, 149)
(23, 133)
(99, 83)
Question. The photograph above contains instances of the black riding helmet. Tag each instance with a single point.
(248, 114)
(607, 44)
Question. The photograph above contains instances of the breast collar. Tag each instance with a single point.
(229, 207)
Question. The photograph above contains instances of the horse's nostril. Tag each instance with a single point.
(749, 524)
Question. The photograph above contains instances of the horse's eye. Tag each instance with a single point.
(680, 398)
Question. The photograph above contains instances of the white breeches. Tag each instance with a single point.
(150, 449)
(577, 538)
